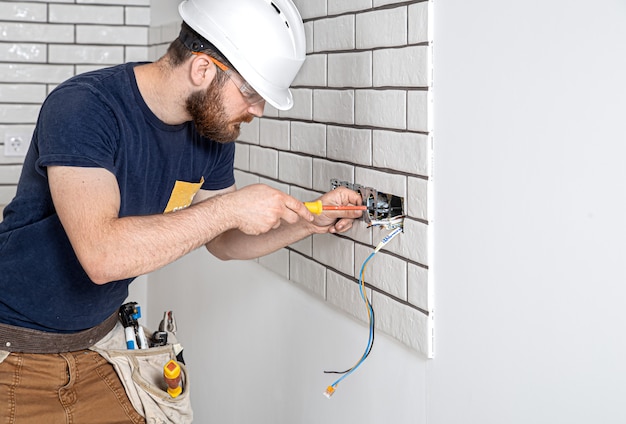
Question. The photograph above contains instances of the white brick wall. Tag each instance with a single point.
(43, 43)
(362, 114)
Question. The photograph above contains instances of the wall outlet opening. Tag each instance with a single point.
(383, 209)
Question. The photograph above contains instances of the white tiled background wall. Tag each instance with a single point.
(362, 115)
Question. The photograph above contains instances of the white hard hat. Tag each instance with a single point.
(263, 39)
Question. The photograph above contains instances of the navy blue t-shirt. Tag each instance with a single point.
(97, 119)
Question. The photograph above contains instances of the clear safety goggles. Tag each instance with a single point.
(249, 94)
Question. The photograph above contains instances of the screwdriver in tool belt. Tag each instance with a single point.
(172, 375)
(317, 207)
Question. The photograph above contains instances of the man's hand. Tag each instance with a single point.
(258, 208)
(338, 221)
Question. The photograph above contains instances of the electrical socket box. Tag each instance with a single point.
(383, 209)
(16, 143)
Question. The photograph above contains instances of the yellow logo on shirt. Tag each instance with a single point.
(182, 195)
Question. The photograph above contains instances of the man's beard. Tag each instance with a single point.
(208, 114)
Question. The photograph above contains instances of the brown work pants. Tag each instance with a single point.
(63, 388)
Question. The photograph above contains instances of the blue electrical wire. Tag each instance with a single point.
(370, 341)
(331, 389)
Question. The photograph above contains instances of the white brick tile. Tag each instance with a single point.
(418, 287)
(277, 262)
(334, 34)
(308, 138)
(304, 246)
(136, 53)
(27, 32)
(350, 69)
(407, 152)
(337, 7)
(302, 105)
(335, 106)
(154, 35)
(79, 14)
(388, 183)
(420, 18)
(242, 157)
(308, 34)
(274, 133)
(155, 52)
(59, 53)
(411, 67)
(313, 71)
(116, 2)
(101, 34)
(137, 16)
(22, 93)
(10, 174)
(6, 194)
(311, 8)
(416, 202)
(170, 31)
(385, 272)
(304, 194)
(295, 169)
(164, 34)
(419, 111)
(243, 179)
(50, 1)
(22, 52)
(23, 11)
(81, 69)
(9, 160)
(378, 3)
(402, 322)
(324, 171)
(270, 111)
(359, 232)
(334, 251)
(381, 108)
(275, 184)
(250, 132)
(18, 114)
(411, 244)
(264, 161)
(350, 145)
(308, 274)
(381, 28)
(346, 295)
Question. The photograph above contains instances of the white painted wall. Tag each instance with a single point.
(529, 243)
(530, 206)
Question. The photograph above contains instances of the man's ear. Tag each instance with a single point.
(202, 70)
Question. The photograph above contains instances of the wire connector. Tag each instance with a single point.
(330, 390)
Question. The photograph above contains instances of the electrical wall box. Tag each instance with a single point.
(383, 209)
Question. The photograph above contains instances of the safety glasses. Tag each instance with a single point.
(249, 94)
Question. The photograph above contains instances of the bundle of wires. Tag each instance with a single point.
(330, 390)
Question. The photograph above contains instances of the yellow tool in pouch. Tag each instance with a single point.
(141, 373)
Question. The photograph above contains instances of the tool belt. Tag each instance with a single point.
(140, 370)
(141, 373)
(27, 340)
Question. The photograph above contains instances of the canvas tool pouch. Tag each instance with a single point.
(141, 372)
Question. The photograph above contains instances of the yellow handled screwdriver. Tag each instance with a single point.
(172, 375)
(317, 207)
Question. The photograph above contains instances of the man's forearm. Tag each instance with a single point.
(234, 244)
(131, 246)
